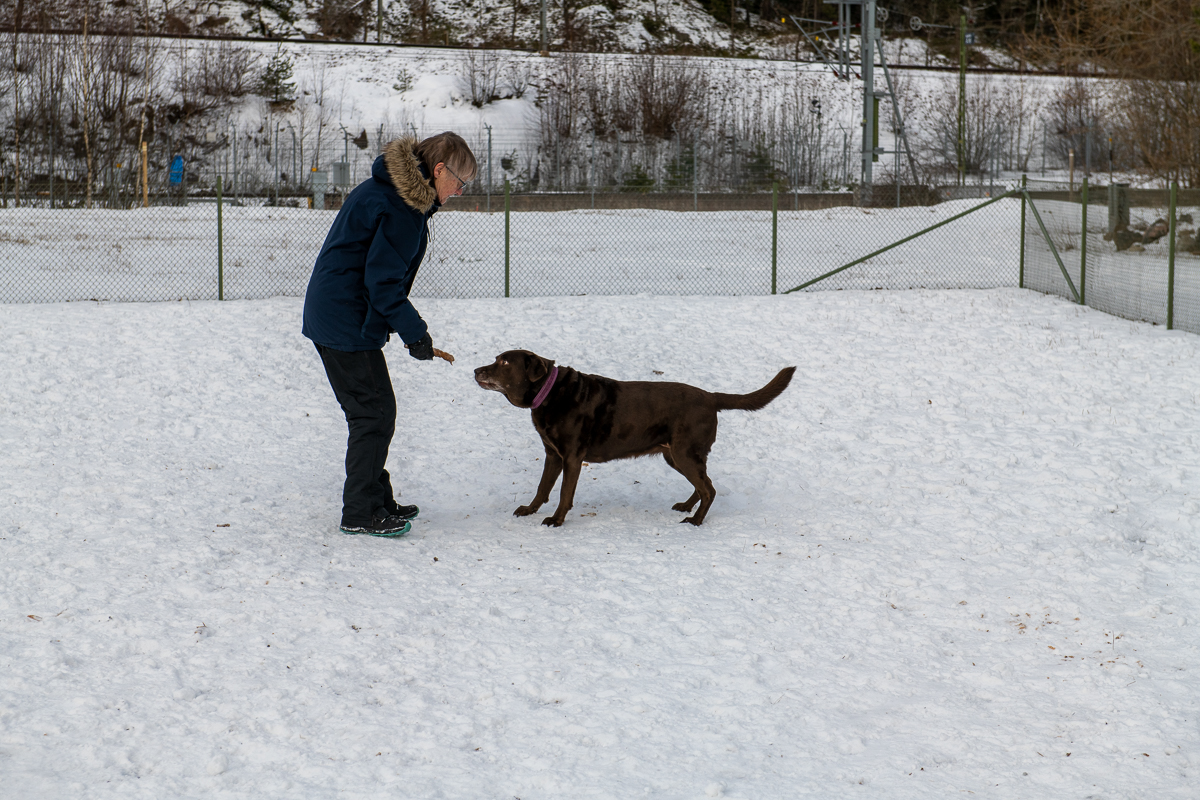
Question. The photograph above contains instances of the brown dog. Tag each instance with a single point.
(591, 418)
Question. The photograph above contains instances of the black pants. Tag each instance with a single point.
(363, 388)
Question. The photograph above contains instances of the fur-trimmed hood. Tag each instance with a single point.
(404, 170)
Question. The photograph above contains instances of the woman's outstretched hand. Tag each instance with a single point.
(423, 350)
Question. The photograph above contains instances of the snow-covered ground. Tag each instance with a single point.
(958, 556)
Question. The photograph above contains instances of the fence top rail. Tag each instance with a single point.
(1098, 195)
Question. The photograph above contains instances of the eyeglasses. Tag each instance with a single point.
(461, 182)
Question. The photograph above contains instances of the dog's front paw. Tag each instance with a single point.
(524, 511)
(691, 520)
(682, 506)
(553, 522)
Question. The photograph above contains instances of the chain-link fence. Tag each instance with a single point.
(611, 244)
(1115, 247)
(157, 253)
(561, 245)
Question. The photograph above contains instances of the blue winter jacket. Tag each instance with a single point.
(359, 289)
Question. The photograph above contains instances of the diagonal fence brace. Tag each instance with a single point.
(1053, 249)
(831, 273)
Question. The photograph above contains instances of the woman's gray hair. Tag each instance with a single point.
(450, 149)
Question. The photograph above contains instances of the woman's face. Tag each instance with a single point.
(446, 182)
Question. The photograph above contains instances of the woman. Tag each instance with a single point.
(359, 295)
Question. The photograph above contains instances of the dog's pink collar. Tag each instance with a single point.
(545, 390)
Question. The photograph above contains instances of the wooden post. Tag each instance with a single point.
(145, 179)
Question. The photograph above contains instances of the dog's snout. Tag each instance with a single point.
(484, 379)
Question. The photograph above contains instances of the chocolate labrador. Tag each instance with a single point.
(591, 418)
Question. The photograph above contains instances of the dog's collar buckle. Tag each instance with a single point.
(545, 390)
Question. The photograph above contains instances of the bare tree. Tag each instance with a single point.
(1152, 44)
(83, 78)
(1076, 111)
(988, 125)
(315, 112)
(665, 94)
(321, 109)
(480, 77)
(516, 79)
(516, 10)
(1145, 39)
(150, 51)
(20, 66)
(214, 76)
(1159, 121)
(559, 95)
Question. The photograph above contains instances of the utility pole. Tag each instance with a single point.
(962, 99)
(870, 108)
(489, 180)
(1087, 160)
(870, 42)
(276, 164)
(732, 16)
(233, 161)
(545, 42)
(379, 22)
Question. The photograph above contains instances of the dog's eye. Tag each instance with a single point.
(503, 363)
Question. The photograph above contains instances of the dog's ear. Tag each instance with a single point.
(537, 368)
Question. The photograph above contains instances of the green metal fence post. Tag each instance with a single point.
(506, 240)
(220, 247)
(1171, 258)
(1083, 247)
(774, 234)
(1021, 272)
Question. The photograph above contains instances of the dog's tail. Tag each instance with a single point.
(755, 400)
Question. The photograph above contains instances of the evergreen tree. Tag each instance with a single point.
(680, 170)
(276, 82)
(638, 181)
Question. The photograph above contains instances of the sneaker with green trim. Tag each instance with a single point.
(391, 525)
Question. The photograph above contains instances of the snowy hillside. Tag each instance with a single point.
(738, 110)
(632, 26)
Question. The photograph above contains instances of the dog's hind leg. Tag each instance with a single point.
(694, 469)
(686, 505)
(550, 472)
